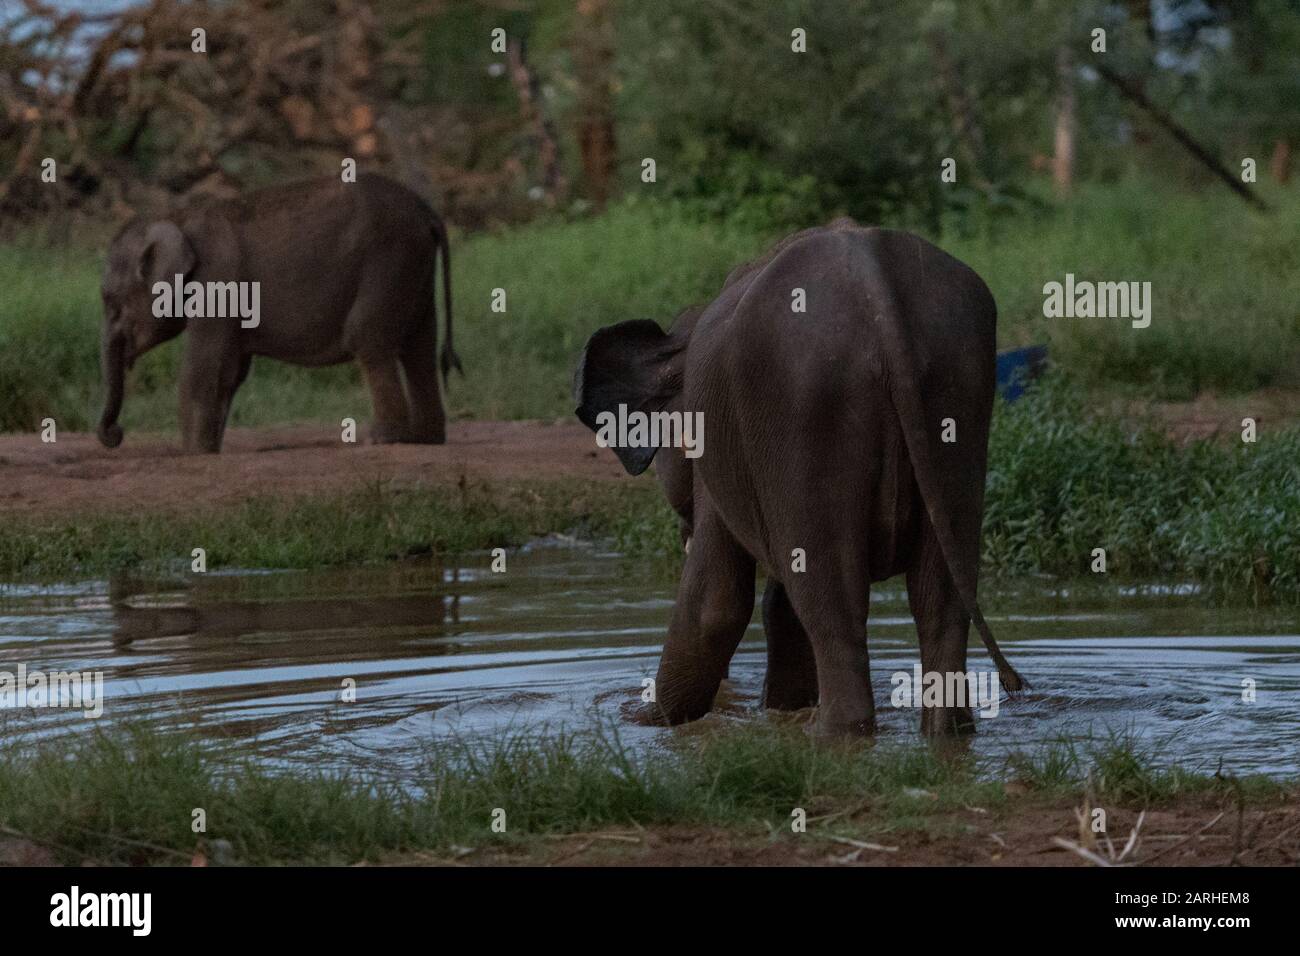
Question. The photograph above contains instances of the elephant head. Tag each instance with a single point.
(638, 365)
(142, 254)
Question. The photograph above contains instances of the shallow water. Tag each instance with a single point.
(565, 637)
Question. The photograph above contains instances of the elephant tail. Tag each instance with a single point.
(904, 390)
(447, 359)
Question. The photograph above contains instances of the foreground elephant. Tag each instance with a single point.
(343, 271)
(824, 436)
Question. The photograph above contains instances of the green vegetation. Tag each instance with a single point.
(1215, 323)
(1064, 480)
(1118, 767)
(49, 340)
(127, 794)
(381, 523)
(1225, 283)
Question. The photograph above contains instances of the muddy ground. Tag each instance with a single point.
(149, 472)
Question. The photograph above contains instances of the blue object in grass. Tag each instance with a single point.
(1017, 368)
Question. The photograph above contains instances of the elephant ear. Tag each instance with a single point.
(634, 364)
(166, 253)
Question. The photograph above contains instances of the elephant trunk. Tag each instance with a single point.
(112, 362)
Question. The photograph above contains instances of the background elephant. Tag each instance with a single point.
(346, 270)
(823, 433)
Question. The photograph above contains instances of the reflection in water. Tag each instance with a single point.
(565, 638)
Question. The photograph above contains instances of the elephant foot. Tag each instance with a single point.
(386, 436)
(671, 713)
(110, 436)
(646, 715)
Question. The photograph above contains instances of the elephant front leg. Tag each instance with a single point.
(715, 601)
(791, 679)
(209, 379)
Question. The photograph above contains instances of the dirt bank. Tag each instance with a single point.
(1194, 832)
(149, 472)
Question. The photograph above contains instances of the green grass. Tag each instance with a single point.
(128, 794)
(1118, 767)
(49, 346)
(1225, 284)
(1064, 480)
(378, 523)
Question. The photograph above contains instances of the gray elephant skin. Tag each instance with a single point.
(824, 432)
(345, 271)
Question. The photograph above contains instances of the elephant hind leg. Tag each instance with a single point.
(942, 628)
(837, 625)
(831, 598)
(715, 601)
(419, 362)
(390, 422)
(791, 679)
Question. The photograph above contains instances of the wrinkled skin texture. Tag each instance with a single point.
(822, 433)
(346, 271)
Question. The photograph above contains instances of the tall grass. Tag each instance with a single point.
(1064, 481)
(564, 281)
(1225, 284)
(49, 343)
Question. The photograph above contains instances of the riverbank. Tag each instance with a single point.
(755, 794)
(1065, 479)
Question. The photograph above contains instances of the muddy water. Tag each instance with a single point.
(564, 638)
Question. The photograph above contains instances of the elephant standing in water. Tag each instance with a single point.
(341, 271)
(826, 437)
